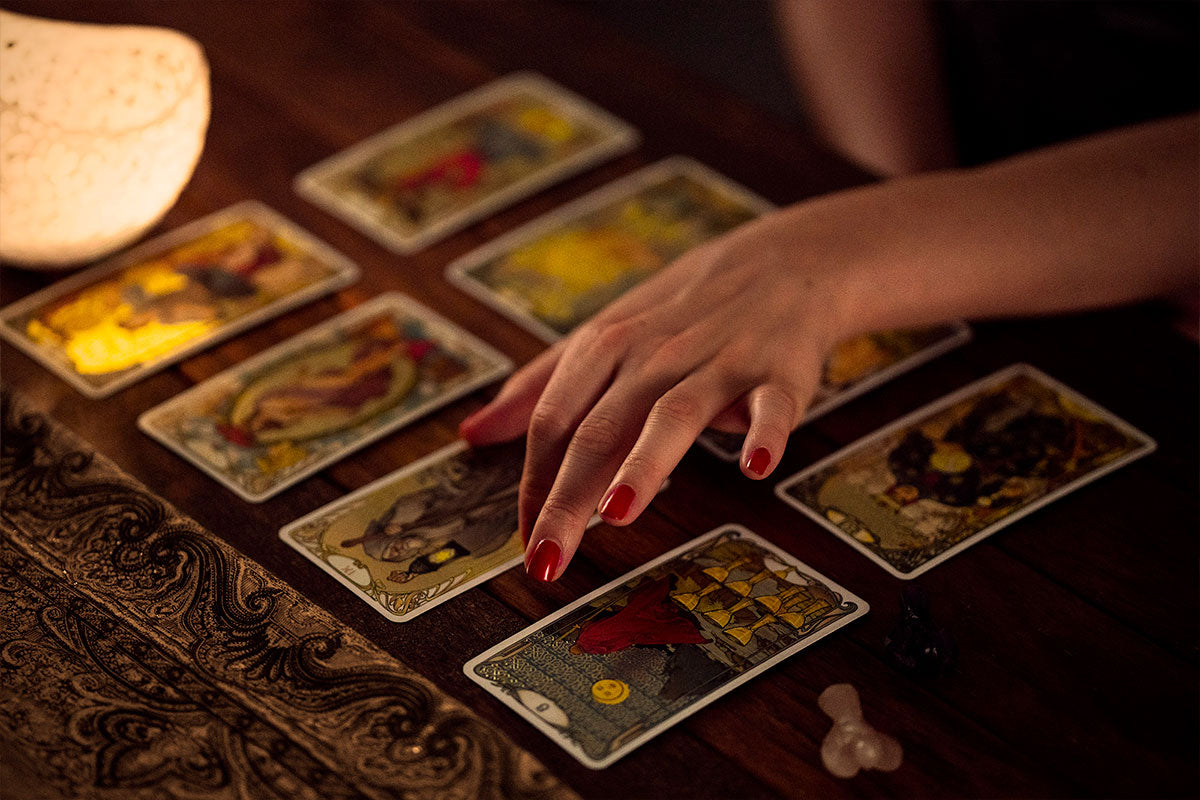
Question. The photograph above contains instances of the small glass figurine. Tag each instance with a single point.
(852, 744)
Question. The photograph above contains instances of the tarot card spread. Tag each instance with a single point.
(423, 534)
(615, 668)
(855, 367)
(113, 325)
(951, 474)
(438, 172)
(555, 272)
(301, 405)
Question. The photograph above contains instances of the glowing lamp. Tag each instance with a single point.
(100, 128)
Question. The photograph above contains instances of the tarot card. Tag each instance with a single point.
(114, 324)
(615, 668)
(279, 417)
(424, 533)
(949, 475)
(432, 175)
(855, 367)
(558, 270)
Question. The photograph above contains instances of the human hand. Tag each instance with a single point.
(730, 335)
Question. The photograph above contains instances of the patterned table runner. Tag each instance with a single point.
(140, 656)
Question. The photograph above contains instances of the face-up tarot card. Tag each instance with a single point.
(434, 174)
(855, 367)
(277, 418)
(617, 667)
(561, 268)
(423, 534)
(116, 323)
(953, 473)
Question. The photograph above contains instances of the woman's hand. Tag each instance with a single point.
(731, 334)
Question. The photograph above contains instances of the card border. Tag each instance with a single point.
(929, 409)
(555, 735)
(503, 365)
(345, 273)
(620, 138)
(457, 273)
(960, 336)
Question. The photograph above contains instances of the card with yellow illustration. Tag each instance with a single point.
(114, 324)
(277, 418)
(949, 475)
(432, 175)
(855, 367)
(558, 270)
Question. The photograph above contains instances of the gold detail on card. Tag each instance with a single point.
(744, 634)
(610, 691)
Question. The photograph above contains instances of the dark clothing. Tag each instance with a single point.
(1027, 74)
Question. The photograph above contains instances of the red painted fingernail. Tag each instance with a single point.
(758, 461)
(544, 561)
(616, 504)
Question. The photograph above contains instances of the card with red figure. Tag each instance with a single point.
(616, 668)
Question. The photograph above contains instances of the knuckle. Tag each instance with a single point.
(548, 421)
(563, 509)
(599, 433)
(781, 408)
(677, 408)
(739, 358)
(640, 466)
(675, 349)
(615, 336)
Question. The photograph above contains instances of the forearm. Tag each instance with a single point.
(1097, 222)
(870, 76)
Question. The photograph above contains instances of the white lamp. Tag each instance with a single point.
(100, 128)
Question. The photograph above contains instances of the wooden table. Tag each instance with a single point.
(1076, 627)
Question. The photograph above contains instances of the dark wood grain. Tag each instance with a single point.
(1076, 627)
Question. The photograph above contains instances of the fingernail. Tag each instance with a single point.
(758, 461)
(544, 561)
(468, 421)
(616, 504)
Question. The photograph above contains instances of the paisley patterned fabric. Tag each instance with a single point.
(142, 657)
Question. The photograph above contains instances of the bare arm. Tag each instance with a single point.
(734, 332)
(870, 75)
(1104, 220)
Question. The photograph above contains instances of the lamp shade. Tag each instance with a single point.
(100, 128)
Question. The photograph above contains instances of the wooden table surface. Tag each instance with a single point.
(1076, 627)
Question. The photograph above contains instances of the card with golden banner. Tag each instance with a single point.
(114, 324)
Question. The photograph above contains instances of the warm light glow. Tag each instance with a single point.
(100, 128)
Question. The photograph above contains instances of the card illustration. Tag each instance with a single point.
(558, 270)
(275, 419)
(953, 473)
(615, 668)
(855, 367)
(423, 534)
(113, 325)
(442, 170)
